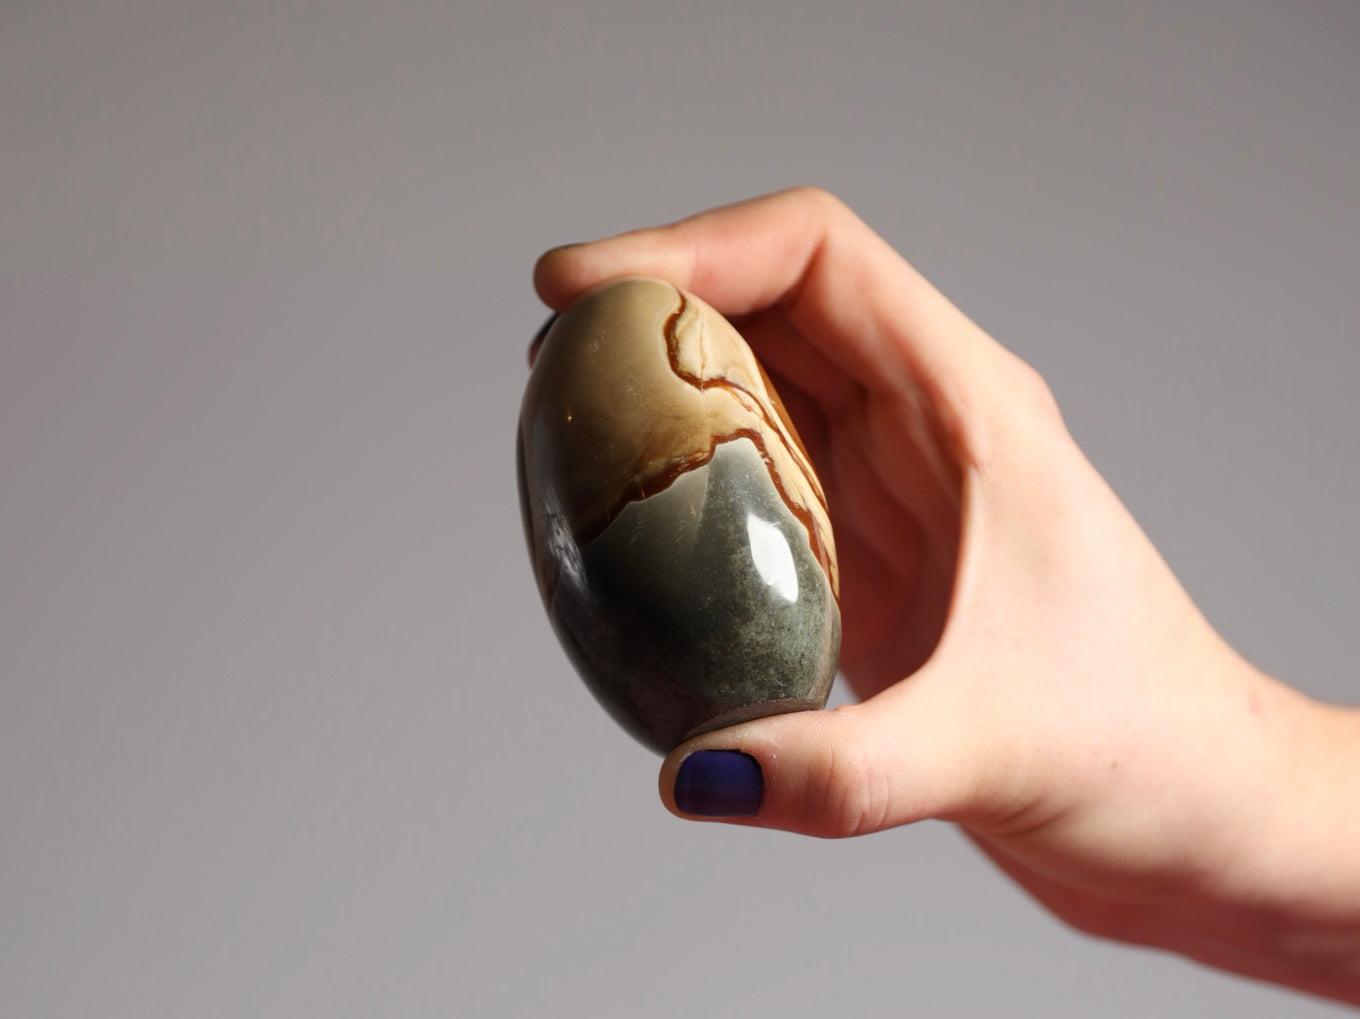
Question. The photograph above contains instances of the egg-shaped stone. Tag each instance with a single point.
(677, 529)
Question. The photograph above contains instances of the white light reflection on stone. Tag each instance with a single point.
(772, 557)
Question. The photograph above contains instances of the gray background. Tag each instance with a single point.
(283, 729)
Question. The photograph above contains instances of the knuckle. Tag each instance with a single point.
(821, 200)
(1035, 391)
(1024, 419)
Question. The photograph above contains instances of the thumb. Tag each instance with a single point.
(848, 771)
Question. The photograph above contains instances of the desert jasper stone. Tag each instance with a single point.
(678, 532)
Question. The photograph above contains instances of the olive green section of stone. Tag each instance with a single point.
(674, 618)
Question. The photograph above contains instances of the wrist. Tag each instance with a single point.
(1291, 885)
(1312, 853)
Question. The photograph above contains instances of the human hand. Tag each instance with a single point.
(1028, 666)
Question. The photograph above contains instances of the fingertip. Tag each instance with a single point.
(564, 273)
(553, 275)
(830, 774)
(750, 774)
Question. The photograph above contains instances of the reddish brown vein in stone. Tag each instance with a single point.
(656, 481)
(782, 428)
(779, 423)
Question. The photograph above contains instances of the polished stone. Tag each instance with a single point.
(678, 532)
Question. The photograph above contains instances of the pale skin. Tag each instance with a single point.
(1027, 665)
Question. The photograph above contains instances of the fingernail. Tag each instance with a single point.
(537, 341)
(719, 783)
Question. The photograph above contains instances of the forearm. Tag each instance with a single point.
(1271, 888)
(1233, 838)
(1295, 881)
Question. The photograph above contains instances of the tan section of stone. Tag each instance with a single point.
(637, 383)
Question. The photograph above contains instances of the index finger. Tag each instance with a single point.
(806, 253)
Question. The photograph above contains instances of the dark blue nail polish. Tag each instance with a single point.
(719, 783)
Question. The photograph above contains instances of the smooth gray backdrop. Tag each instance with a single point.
(283, 729)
